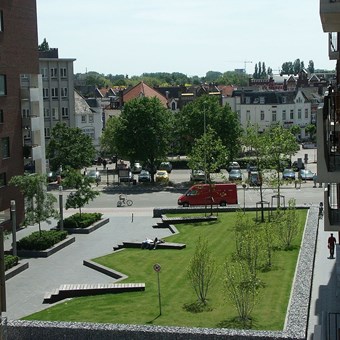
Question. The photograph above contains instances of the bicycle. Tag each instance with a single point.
(123, 201)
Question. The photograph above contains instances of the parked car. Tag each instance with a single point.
(254, 178)
(235, 175)
(162, 176)
(297, 166)
(125, 175)
(197, 175)
(308, 145)
(233, 165)
(167, 166)
(306, 175)
(94, 174)
(288, 174)
(144, 176)
(136, 168)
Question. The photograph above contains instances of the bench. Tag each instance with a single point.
(165, 245)
(76, 290)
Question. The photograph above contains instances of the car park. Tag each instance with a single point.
(235, 175)
(144, 176)
(288, 174)
(197, 175)
(306, 175)
(162, 176)
(167, 166)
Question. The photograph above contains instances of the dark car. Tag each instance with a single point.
(144, 176)
(306, 175)
(235, 175)
(297, 166)
(254, 178)
(166, 166)
(94, 174)
(288, 174)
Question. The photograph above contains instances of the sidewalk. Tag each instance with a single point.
(25, 292)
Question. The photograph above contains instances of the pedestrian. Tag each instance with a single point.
(104, 164)
(331, 246)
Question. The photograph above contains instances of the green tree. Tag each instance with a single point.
(44, 46)
(201, 270)
(69, 147)
(310, 67)
(212, 76)
(83, 190)
(40, 207)
(311, 130)
(107, 140)
(143, 131)
(297, 66)
(204, 112)
(295, 130)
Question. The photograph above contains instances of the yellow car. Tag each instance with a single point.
(162, 176)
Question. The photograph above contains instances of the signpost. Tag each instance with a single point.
(157, 269)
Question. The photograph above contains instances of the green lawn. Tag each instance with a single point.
(176, 293)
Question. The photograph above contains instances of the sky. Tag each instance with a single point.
(193, 37)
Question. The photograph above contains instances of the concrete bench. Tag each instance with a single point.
(194, 219)
(76, 290)
(165, 245)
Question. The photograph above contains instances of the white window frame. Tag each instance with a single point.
(54, 92)
(46, 112)
(63, 72)
(55, 113)
(45, 92)
(54, 72)
(83, 119)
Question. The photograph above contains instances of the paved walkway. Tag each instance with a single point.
(25, 292)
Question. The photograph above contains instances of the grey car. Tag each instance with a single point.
(235, 175)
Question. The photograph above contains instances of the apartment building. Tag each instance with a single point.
(328, 122)
(20, 97)
(58, 90)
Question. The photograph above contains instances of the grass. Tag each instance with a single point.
(179, 307)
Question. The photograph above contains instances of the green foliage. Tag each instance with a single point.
(44, 46)
(311, 129)
(11, 261)
(107, 140)
(69, 147)
(201, 270)
(83, 220)
(41, 240)
(40, 205)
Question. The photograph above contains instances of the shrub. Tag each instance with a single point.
(41, 240)
(11, 261)
(83, 220)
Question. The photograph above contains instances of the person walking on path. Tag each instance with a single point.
(331, 246)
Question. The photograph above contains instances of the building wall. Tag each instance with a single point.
(18, 55)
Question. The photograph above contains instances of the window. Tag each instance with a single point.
(25, 113)
(3, 89)
(3, 181)
(64, 91)
(54, 72)
(91, 118)
(47, 132)
(173, 106)
(55, 113)
(284, 100)
(5, 147)
(54, 92)
(299, 113)
(63, 72)
(284, 117)
(291, 114)
(306, 113)
(247, 100)
(274, 116)
(43, 72)
(83, 118)
(262, 115)
(1, 21)
(46, 113)
(262, 100)
(1, 116)
(45, 92)
(64, 112)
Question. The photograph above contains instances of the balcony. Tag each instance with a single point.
(330, 15)
(331, 208)
(333, 46)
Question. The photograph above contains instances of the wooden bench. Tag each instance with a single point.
(76, 290)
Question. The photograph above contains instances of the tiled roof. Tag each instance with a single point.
(144, 90)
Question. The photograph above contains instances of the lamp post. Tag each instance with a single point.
(205, 151)
(244, 197)
(61, 207)
(14, 228)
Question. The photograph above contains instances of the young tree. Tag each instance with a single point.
(311, 130)
(40, 206)
(241, 288)
(143, 131)
(310, 67)
(201, 270)
(107, 140)
(84, 192)
(69, 147)
(44, 46)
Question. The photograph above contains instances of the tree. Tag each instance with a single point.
(310, 67)
(208, 153)
(297, 66)
(143, 131)
(69, 147)
(204, 112)
(107, 140)
(40, 207)
(201, 270)
(311, 130)
(295, 130)
(212, 76)
(84, 192)
(44, 46)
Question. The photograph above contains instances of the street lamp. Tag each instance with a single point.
(61, 208)
(244, 185)
(14, 228)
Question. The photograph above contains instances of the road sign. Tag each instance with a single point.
(157, 267)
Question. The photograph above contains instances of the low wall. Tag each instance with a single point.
(295, 325)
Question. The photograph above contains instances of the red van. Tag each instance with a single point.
(207, 194)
